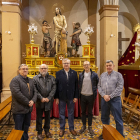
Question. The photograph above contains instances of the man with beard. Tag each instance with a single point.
(60, 27)
(45, 88)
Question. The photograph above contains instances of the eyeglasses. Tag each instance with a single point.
(24, 68)
(66, 63)
(86, 65)
(43, 68)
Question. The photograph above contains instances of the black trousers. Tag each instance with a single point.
(87, 102)
(39, 113)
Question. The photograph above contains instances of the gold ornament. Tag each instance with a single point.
(59, 5)
(136, 27)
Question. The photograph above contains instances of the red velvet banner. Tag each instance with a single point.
(77, 110)
(129, 56)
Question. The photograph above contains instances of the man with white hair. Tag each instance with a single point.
(66, 94)
(45, 88)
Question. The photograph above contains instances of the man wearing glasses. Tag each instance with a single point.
(45, 88)
(110, 87)
(23, 98)
(88, 81)
(66, 94)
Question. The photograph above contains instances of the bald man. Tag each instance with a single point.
(45, 88)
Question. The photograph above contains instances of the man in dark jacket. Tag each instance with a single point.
(45, 88)
(88, 81)
(23, 98)
(66, 93)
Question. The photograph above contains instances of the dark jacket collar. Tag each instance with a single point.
(84, 72)
(40, 76)
(24, 79)
(69, 70)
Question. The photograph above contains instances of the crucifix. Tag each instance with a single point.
(120, 39)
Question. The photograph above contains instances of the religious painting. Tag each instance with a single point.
(35, 51)
(86, 51)
(48, 62)
(75, 63)
(29, 51)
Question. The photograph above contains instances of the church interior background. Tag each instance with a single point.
(113, 33)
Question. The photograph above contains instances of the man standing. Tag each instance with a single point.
(88, 81)
(66, 93)
(110, 87)
(23, 98)
(45, 88)
(60, 27)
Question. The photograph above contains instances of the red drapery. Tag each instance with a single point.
(129, 56)
(77, 109)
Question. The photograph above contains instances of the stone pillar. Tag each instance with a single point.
(11, 54)
(108, 35)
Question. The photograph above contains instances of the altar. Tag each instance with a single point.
(34, 59)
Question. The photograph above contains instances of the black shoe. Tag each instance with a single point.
(90, 130)
(39, 137)
(82, 130)
(100, 137)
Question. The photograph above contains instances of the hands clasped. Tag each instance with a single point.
(45, 100)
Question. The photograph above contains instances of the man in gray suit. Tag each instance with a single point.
(23, 98)
(45, 89)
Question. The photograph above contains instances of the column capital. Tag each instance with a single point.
(109, 7)
(12, 2)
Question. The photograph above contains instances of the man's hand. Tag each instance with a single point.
(75, 100)
(57, 101)
(70, 35)
(47, 100)
(106, 98)
(43, 100)
(31, 103)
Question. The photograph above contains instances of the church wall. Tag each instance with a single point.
(73, 10)
(127, 31)
(129, 16)
(25, 38)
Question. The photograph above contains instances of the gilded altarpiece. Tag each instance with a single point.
(55, 63)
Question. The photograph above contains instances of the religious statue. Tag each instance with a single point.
(60, 31)
(47, 41)
(111, 2)
(137, 45)
(75, 42)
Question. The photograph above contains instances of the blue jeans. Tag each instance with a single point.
(22, 122)
(115, 106)
(70, 107)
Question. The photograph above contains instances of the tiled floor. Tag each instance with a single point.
(129, 130)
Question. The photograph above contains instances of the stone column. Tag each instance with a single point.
(108, 35)
(11, 54)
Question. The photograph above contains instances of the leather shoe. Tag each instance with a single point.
(82, 130)
(61, 133)
(90, 131)
(73, 132)
(48, 134)
(39, 137)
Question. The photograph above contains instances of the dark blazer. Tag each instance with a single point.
(44, 89)
(94, 80)
(67, 89)
(21, 95)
